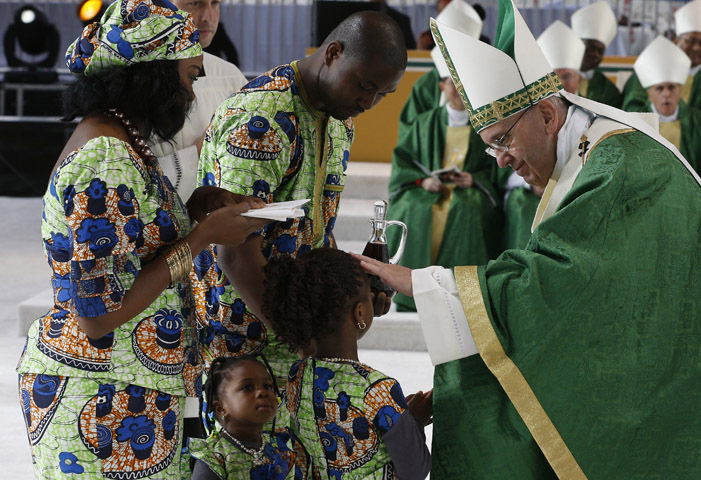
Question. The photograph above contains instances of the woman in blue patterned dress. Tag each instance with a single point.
(106, 372)
(353, 420)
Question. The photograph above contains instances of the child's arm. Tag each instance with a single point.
(421, 406)
(406, 443)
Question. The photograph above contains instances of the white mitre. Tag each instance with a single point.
(497, 81)
(561, 46)
(596, 21)
(461, 16)
(688, 18)
(662, 61)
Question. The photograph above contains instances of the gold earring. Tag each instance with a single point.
(362, 325)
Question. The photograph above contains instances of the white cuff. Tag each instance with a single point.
(442, 318)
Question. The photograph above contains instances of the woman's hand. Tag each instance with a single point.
(395, 276)
(225, 226)
(205, 200)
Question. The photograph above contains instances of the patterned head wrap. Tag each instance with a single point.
(134, 31)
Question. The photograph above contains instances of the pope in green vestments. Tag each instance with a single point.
(599, 317)
(600, 89)
(579, 356)
(472, 227)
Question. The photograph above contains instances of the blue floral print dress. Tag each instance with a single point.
(112, 406)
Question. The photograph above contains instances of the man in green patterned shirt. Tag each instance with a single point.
(286, 135)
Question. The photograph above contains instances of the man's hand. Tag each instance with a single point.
(421, 406)
(395, 276)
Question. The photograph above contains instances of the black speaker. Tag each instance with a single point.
(29, 150)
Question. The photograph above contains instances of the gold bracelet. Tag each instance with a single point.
(179, 260)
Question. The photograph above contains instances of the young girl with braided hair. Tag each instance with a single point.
(242, 397)
(354, 420)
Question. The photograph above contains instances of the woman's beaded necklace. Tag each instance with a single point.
(256, 454)
(138, 142)
(338, 360)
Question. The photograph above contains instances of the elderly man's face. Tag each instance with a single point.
(665, 97)
(571, 79)
(531, 151)
(690, 42)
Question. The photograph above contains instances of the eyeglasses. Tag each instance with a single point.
(498, 145)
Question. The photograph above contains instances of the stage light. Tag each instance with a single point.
(35, 36)
(90, 10)
(31, 47)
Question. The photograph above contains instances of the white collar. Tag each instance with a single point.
(457, 118)
(589, 74)
(666, 118)
(568, 138)
(694, 70)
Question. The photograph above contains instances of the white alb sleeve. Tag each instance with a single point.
(442, 318)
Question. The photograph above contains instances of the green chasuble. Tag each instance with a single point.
(425, 95)
(519, 212)
(602, 90)
(593, 331)
(635, 96)
(471, 233)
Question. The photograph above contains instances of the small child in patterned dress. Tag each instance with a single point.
(242, 396)
(354, 420)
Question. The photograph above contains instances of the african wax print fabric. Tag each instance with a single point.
(134, 31)
(341, 411)
(106, 213)
(284, 457)
(268, 141)
(472, 228)
(87, 428)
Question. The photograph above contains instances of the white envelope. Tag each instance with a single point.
(279, 211)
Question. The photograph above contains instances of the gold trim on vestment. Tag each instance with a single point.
(672, 131)
(686, 88)
(511, 379)
(583, 88)
(605, 136)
